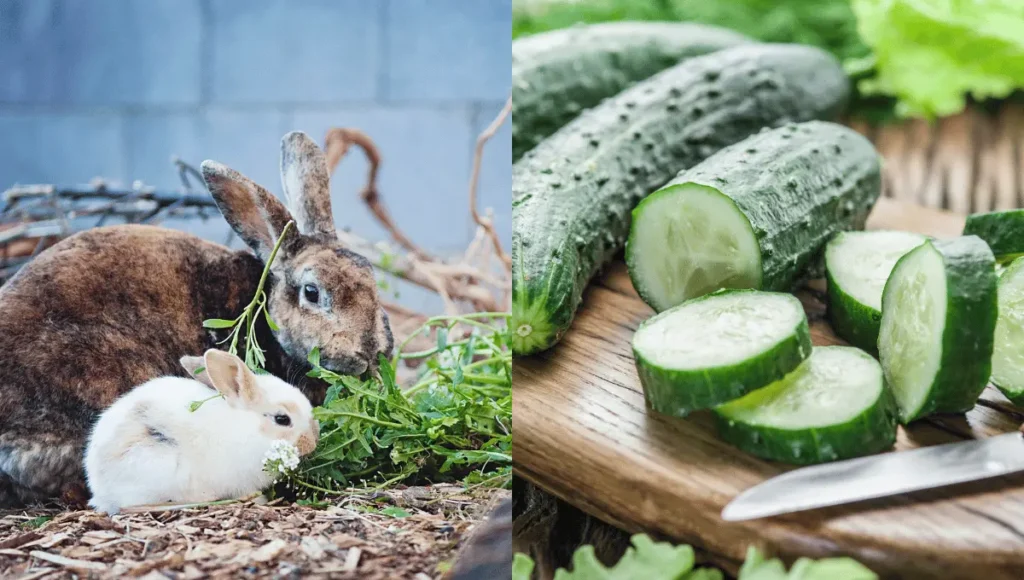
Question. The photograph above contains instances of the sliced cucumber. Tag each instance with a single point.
(938, 322)
(1008, 351)
(833, 406)
(756, 214)
(857, 264)
(705, 227)
(1003, 231)
(719, 347)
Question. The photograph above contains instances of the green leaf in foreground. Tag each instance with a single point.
(931, 55)
(218, 323)
(647, 559)
(652, 560)
(757, 567)
(522, 567)
(395, 512)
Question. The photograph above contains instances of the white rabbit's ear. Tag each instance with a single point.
(253, 212)
(307, 184)
(192, 364)
(231, 377)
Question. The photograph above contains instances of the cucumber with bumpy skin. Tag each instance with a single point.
(756, 214)
(1008, 351)
(857, 264)
(558, 74)
(938, 322)
(1003, 231)
(833, 406)
(719, 347)
(572, 196)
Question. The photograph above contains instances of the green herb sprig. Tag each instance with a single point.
(255, 357)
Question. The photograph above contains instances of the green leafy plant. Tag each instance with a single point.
(931, 55)
(652, 560)
(453, 424)
(255, 358)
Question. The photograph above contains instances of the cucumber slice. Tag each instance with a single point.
(857, 264)
(705, 227)
(938, 322)
(1003, 231)
(1008, 351)
(719, 347)
(753, 215)
(833, 406)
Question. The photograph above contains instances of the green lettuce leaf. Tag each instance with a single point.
(931, 54)
(757, 568)
(647, 559)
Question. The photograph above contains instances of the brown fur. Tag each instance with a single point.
(111, 308)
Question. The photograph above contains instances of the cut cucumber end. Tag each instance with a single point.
(835, 405)
(912, 325)
(938, 326)
(532, 329)
(688, 240)
(719, 347)
(1008, 350)
(1003, 231)
(857, 265)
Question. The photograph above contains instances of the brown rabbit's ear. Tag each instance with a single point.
(307, 184)
(231, 377)
(253, 212)
(191, 364)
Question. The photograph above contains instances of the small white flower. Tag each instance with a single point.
(282, 457)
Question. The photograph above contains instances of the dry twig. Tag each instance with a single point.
(484, 222)
(336, 146)
(473, 279)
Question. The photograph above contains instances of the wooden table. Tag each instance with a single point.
(583, 433)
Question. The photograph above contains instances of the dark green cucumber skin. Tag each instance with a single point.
(876, 427)
(860, 329)
(573, 194)
(969, 333)
(799, 186)
(558, 74)
(1003, 231)
(678, 393)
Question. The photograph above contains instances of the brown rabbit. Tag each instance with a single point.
(111, 308)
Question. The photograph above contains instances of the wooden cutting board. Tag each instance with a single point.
(584, 433)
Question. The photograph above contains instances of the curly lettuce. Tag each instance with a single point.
(932, 54)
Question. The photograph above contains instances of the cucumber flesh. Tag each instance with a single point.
(833, 406)
(938, 322)
(701, 224)
(752, 215)
(719, 347)
(857, 264)
(1008, 350)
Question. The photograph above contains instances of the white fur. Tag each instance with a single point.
(217, 451)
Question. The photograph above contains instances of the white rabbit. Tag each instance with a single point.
(149, 447)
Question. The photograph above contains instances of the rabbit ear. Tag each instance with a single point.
(191, 364)
(307, 184)
(253, 212)
(231, 377)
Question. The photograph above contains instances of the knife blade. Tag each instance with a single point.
(879, 476)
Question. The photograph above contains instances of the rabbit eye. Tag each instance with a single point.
(282, 420)
(311, 293)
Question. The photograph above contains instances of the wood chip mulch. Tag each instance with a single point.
(402, 533)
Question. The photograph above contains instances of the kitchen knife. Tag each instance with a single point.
(879, 476)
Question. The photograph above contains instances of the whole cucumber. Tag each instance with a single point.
(558, 74)
(573, 194)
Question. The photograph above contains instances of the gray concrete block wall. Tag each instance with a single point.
(114, 88)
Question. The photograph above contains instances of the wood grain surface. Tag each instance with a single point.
(583, 433)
